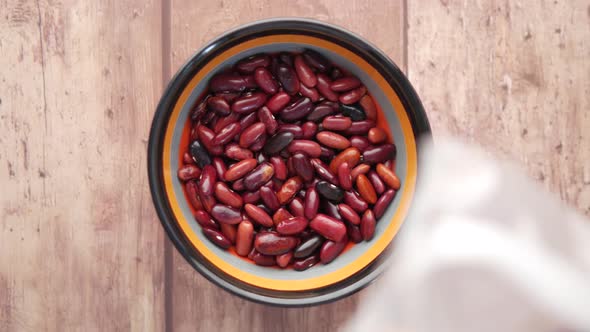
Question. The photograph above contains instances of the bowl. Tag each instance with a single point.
(400, 113)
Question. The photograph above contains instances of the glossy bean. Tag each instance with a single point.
(388, 176)
(303, 166)
(319, 112)
(227, 196)
(225, 214)
(206, 137)
(292, 226)
(289, 189)
(338, 123)
(365, 189)
(296, 110)
(281, 215)
(368, 225)
(351, 155)
(308, 247)
(280, 167)
(330, 250)
(296, 207)
(379, 154)
(273, 244)
(354, 112)
(355, 202)
(228, 96)
(265, 81)
(328, 227)
(285, 259)
(217, 238)
(244, 238)
(258, 215)
(236, 152)
(359, 142)
(324, 172)
(383, 202)
(312, 203)
(369, 107)
(333, 140)
(199, 110)
(305, 263)
(207, 180)
(227, 134)
(238, 185)
(292, 128)
(327, 154)
(269, 198)
(330, 191)
(323, 86)
(224, 121)
(316, 60)
(188, 172)
(192, 192)
(200, 155)
(251, 134)
(208, 201)
(249, 64)
(378, 185)
(354, 233)
(278, 102)
(204, 219)
(265, 116)
(259, 143)
(304, 72)
(228, 82)
(344, 177)
(278, 142)
(187, 159)
(220, 167)
(352, 96)
(349, 214)
(360, 127)
(263, 260)
(288, 78)
(309, 130)
(218, 105)
(311, 93)
(359, 169)
(251, 197)
(229, 231)
(240, 169)
(310, 148)
(248, 103)
(345, 84)
(330, 209)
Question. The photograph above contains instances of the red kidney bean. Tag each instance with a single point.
(352, 156)
(209, 118)
(226, 120)
(251, 134)
(208, 201)
(383, 202)
(311, 93)
(292, 128)
(359, 142)
(236, 152)
(360, 169)
(228, 96)
(281, 215)
(319, 112)
(248, 65)
(354, 233)
(345, 84)
(323, 86)
(244, 238)
(265, 81)
(327, 153)
(288, 78)
(228, 82)
(278, 101)
(349, 214)
(330, 250)
(339, 123)
(290, 168)
(304, 72)
(217, 238)
(227, 196)
(227, 134)
(187, 159)
(333, 140)
(365, 189)
(352, 96)
(200, 155)
(303, 166)
(309, 130)
(265, 116)
(388, 176)
(188, 172)
(280, 167)
(324, 172)
(378, 185)
(204, 219)
(258, 143)
(199, 110)
(344, 177)
(263, 260)
(259, 176)
(360, 127)
(240, 169)
(229, 231)
(296, 207)
(328, 227)
(249, 103)
(218, 105)
(379, 154)
(312, 203)
(206, 137)
(355, 202)
(292, 226)
(238, 185)
(248, 120)
(225, 214)
(192, 192)
(368, 105)
(316, 60)
(251, 197)
(269, 198)
(207, 180)
(305, 263)
(268, 243)
(289, 189)
(311, 148)
(308, 247)
(376, 135)
(258, 215)
(278, 142)
(284, 260)
(368, 225)
(297, 110)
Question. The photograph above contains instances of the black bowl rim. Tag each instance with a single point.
(349, 40)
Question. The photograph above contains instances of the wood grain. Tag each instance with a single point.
(81, 246)
(513, 78)
(196, 303)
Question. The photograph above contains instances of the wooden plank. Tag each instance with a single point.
(196, 303)
(512, 77)
(81, 246)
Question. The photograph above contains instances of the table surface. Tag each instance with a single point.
(81, 245)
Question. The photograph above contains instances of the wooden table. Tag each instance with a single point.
(82, 248)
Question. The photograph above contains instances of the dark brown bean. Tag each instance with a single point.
(383, 202)
(368, 225)
(359, 142)
(273, 244)
(278, 101)
(330, 250)
(292, 226)
(319, 112)
(244, 238)
(240, 169)
(312, 203)
(207, 180)
(206, 137)
(311, 148)
(204, 219)
(360, 127)
(297, 110)
(269, 198)
(354, 233)
(309, 130)
(306, 263)
(349, 214)
(265, 81)
(288, 78)
(303, 166)
(352, 96)
(330, 191)
(217, 238)
(379, 154)
(316, 60)
(351, 155)
(345, 84)
(200, 155)
(258, 215)
(289, 189)
(251, 197)
(209, 118)
(248, 65)
(280, 167)
(365, 189)
(323, 87)
(354, 112)
(227, 196)
(286, 58)
(328, 227)
(263, 260)
(188, 172)
(356, 202)
(330, 209)
(324, 172)
(228, 82)
(296, 207)
(388, 176)
(281, 215)
(225, 214)
(259, 176)
(336, 73)
(339, 123)
(333, 140)
(311, 93)
(236, 152)
(251, 134)
(265, 116)
(192, 192)
(227, 134)
(285, 259)
(377, 135)
(344, 177)
(278, 142)
(249, 103)
(369, 107)
(360, 169)
(308, 247)
(327, 154)
(304, 72)
(218, 105)
(229, 231)
(378, 185)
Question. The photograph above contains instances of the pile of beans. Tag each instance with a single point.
(285, 161)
